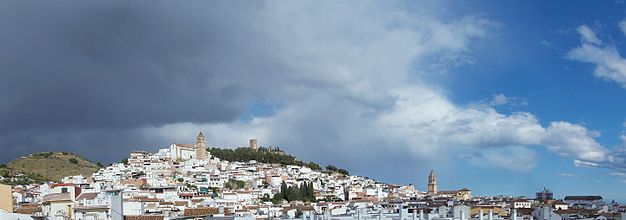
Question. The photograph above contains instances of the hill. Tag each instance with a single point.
(52, 165)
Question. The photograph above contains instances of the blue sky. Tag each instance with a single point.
(499, 97)
(527, 58)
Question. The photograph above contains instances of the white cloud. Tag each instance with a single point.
(501, 99)
(622, 26)
(609, 63)
(429, 118)
(618, 174)
(581, 163)
(571, 140)
(587, 35)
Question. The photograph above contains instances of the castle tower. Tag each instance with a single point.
(201, 153)
(253, 144)
(432, 183)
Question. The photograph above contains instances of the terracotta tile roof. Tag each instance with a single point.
(92, 208)
(143, 217)
(29, 205)
(61, 184)
(28, 209)
(204, 211)
(57, 197)
(87, 196)
(180, 203)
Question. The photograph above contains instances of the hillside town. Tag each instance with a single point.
(184, 181)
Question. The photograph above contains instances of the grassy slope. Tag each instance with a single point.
(53, 166)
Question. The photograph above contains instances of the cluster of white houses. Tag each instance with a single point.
(185, 182)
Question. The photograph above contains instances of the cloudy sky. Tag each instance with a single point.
(501, 98)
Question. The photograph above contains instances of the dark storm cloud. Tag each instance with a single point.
(111, 65)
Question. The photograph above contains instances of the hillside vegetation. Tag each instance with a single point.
(244, 154)
(53, 166)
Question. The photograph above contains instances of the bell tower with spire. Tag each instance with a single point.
(432, 183)
(201, 153)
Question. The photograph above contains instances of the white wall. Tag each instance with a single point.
(14, 216)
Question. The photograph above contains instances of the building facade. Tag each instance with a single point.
(6, 199)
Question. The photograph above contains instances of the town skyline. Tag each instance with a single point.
(428, 185)
(496, 97)
(189, 181)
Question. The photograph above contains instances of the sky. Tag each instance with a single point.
(498, 97)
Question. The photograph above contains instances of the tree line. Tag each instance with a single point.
(244, 154)
(303, 192)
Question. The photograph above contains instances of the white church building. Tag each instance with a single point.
(190, 151)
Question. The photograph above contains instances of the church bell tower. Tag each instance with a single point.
(201, 152)
(432, 183)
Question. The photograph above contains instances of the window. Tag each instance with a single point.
(63, 190)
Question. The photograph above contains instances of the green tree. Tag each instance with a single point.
(277, 199)
(73, 160)
(234, 184)
(331, 168)
(334, 169)
(314, 166)
(263, 155)
(265, 198)
(294, 194)
(283, 190)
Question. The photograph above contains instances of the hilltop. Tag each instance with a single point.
(267, 155)
(50, 166)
